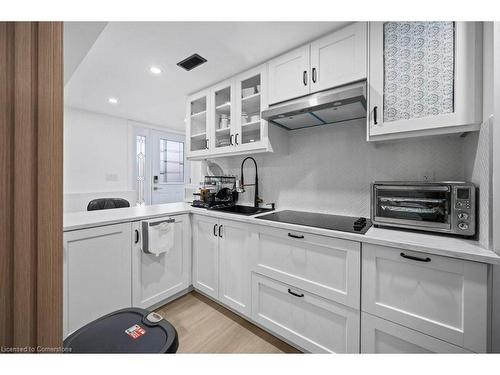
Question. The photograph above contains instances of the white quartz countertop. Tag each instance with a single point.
(454, 247)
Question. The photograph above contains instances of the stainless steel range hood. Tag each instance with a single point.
(336, 105)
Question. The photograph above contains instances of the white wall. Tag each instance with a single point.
(97, 160)
(329, 168)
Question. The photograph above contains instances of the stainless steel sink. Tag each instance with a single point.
(242, 210)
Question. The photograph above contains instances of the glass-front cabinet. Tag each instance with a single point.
(197, 121)
(425, 78)
(226, 118)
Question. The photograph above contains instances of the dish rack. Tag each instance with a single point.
(216, 183)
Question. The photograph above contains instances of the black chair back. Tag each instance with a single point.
(107, 203)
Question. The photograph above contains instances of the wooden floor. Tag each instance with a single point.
(206, 327)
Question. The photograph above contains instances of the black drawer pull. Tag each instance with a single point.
(136, 236)
(427, 259)
(295, 294)
(295, 235)
(220, 227)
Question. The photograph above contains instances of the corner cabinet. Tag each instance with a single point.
(225, 119)
(424, 78)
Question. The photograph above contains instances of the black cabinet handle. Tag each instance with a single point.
(206, 144)
(295, 235)
(215, 229)
(418, 259)
(295, 294)
(136, 236)
(375, 122)
(304, 77)
(236, 139)
(231, 139)
(220, 234)
(314, 75)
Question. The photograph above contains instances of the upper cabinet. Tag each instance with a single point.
(424, 78)
(334, 60)
(226, 118)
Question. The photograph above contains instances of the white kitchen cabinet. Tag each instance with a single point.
(289, 75)
(198, 124)
(328, 267)
(313, 323)
(438, 296)
(206, 255)
(424, 78)
(234, 272)
(97, 273)
(223, 112)
(382, 336)
(220, 264)
(340, 57)
(334, 60)
(156, 278)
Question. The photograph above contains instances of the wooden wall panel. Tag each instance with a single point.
(31, 130)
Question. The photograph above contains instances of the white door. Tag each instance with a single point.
(424, 76)
(97, 273)
(339, 58)
(289, 75)
(234, 271)
(156, 278)
(206, 255)
(168, 167)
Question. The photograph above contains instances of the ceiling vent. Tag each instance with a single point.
(192, 62)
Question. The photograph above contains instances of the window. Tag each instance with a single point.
(171, 162)
(140, 153)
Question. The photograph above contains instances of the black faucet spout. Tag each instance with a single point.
(256, 196)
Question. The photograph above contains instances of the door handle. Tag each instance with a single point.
(136, 236)
(313, 75)
(295, 235)
(304, 77)
(375, 122)
(215, 230)
(418, 259)
(295, 294)
(220, 234)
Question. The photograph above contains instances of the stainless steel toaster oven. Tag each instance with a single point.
(446, 207)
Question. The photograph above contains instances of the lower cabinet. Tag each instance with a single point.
(314, 323)
(156, 278)
(97, 273)
(439, 296)
(382, 336)
(220, 261)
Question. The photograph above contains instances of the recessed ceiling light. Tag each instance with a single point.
(155, 70)
(113, 100)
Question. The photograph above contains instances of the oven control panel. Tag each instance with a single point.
(464, 216)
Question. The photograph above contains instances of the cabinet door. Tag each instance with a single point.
(223, 116)
(198, 113)
(156, 278)
(251, 97)
(289, 75)
(234, 271)
(443, 297)
(206, 255)
(424, 76)
(339, 58)
(381, 336)
(97, 273)
(328, 267)
(311, 322)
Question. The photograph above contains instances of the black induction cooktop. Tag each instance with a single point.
(333, 222)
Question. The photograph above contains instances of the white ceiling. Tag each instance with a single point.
(117, 64)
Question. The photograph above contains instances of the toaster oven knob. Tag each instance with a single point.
(463, 216)
(463, 226)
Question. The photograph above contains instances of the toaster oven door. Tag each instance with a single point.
(419, 207)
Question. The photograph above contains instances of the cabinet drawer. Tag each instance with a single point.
(381, 336)
(328, 267)
(442, 297)
(313, 323)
